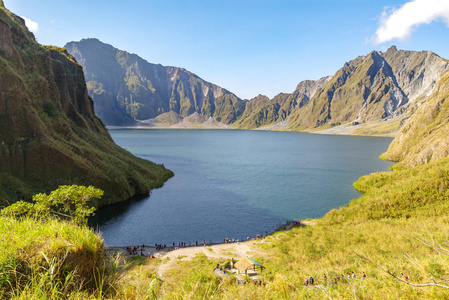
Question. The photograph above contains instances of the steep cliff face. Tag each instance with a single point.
(416, 73)
(424, 138)
(370, 89)
(49, 134)
(125, 88)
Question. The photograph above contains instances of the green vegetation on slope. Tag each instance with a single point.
(368, 89)
(398, 226)
(386, 229)
(38, 258)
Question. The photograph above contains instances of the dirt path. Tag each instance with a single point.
(221, 251)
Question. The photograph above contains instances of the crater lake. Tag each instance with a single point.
(236, 183)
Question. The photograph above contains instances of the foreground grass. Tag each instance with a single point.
(48, 259)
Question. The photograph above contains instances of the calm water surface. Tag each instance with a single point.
(236, 183)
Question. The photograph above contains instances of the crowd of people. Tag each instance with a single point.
(351, 275)
(140, 250)
(136, 250)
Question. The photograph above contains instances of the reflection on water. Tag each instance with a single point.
(110, 212)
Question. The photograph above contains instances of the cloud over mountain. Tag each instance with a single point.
(30, 24)
(400, 23)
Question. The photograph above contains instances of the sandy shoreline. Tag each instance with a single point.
(153, 249)
(169, 255)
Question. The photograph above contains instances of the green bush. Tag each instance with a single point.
(50, 109)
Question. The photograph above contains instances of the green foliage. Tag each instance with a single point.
(47, 257)
(50, 109)
(436, 269)
(48, 252)
(71, 202)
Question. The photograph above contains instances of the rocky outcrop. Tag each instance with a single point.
(424, 137)
(49, 134)
(262, 112)
(416, 73)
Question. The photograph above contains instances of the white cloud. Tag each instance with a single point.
(400, 23)
(31, 25)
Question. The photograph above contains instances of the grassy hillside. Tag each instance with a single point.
(384, 230)
(396, 230)
(48, 252)
(49, 132)
(37, 258)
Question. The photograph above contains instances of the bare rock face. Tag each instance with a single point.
(416, 72)
(49, 134)
(310, 87)
(6, 44)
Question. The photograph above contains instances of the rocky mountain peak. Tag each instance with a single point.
(393, 48)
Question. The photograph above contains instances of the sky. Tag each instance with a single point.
(245, 46)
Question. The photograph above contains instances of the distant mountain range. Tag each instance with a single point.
(372, 94)
(125, 88)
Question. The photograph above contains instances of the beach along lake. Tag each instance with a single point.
(236, 183)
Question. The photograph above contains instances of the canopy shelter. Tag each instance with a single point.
(247, 263)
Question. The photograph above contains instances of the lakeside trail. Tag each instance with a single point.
(235, 250)
(220, 251)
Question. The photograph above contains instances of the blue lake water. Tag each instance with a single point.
(237, 183)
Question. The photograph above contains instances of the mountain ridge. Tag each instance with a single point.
(126, 88)
(371, 94)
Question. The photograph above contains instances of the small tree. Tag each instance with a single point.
(68, 201)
